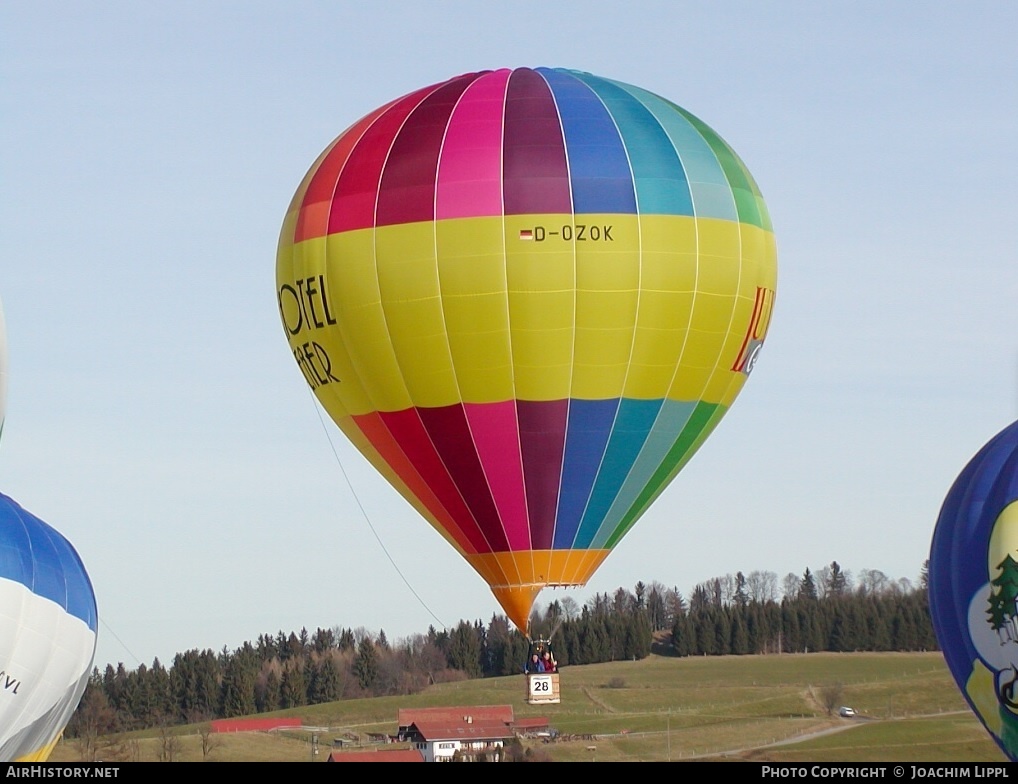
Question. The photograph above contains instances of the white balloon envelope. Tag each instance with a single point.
(48, 623)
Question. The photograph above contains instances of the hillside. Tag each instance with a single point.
(666, 708)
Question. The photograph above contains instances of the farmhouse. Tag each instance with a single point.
(467, 733)
(463, 740)
(480, 713)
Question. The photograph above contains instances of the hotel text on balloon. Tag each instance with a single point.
(304, 308)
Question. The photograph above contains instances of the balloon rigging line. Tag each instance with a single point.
(364, 513)
(122, 643)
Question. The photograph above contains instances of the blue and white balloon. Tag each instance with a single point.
(48, 624)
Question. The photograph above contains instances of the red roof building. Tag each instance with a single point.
(398, 755)
(464, 740)
(484, 713)
(530, 725)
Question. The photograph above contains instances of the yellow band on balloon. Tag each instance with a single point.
(534, 307)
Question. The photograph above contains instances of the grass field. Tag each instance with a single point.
(760, 708)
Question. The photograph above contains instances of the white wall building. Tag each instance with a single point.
(463, 740)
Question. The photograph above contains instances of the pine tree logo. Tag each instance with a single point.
(1003, 618)
(1003, 610)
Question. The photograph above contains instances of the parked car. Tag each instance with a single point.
(845, 712)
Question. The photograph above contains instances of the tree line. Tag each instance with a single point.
(823, 612)
(734, 614)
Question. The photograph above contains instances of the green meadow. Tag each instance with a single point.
(731, 708)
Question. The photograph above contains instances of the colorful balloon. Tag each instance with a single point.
(48, 624)
(527, 296)
(973, 584)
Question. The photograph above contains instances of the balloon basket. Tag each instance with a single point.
(542, 688)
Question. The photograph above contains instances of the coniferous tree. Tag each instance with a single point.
(347, 641)
(365, 665)
(877, 624)
(506, 649)
(266, 647)
(465, 651)
(141, 698)
(292, 685)
(683, 636)
(657, 614)
(919, 602)
(124, 688)
(615, 626)
(269, 695)
(207, 675)
(722, 633)
(791, 634)
(741, 597)
(640, 595)
(904, 635)
(440, 639)
(324, 640)
(594, 646)
(839, 637)
(283, 649)
(310, 677)
(638, 636)
(706, 638)
(194, 680)
(238, 688)
(699, 600)
(807, 587)
(739, 644)
(295, 647)
(839, 582)
(160, 694)
(328, 682)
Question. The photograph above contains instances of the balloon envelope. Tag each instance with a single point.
(973, 584)
(48, 627)
(527, 296)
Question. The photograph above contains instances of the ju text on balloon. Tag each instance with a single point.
(580, 232)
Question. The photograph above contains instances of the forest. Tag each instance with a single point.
(732, 615)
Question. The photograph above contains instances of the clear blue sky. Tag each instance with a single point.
(156, 417)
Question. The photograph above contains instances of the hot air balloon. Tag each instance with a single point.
(973, 585)
(527, 296)
(48, 627)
